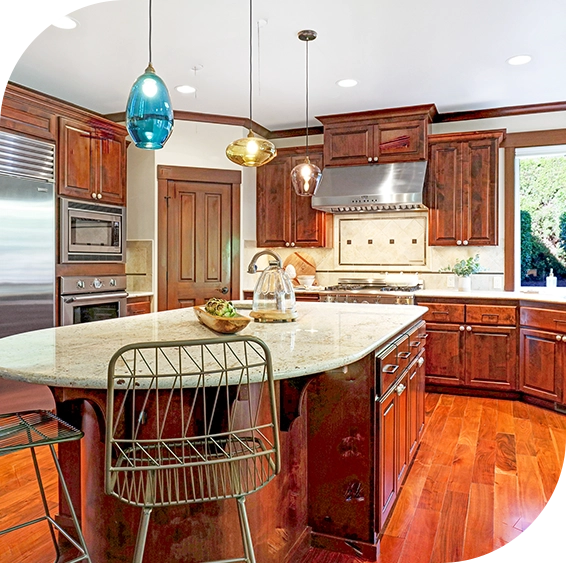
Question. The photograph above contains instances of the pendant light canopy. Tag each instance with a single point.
(251, 150)
(306, 176)
(149, 115)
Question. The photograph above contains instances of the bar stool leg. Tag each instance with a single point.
(245, 527)
(81, 545)
(142, 534)
(44, 502)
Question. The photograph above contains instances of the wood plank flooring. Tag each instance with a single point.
(483, 473)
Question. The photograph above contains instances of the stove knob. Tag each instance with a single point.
(113, 282)
(97, 284)
(80, 284)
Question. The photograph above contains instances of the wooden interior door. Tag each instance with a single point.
(198, 235)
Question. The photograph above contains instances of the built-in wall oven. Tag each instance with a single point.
(85, 299)
(91, 232)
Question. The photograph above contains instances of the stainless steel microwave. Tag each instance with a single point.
(92, 232)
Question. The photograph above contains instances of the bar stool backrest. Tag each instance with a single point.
(190, 421)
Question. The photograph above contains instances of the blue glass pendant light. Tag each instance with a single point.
(149, 115)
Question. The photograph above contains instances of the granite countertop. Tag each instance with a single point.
(325, 336)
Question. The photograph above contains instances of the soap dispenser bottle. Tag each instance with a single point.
(551, 279)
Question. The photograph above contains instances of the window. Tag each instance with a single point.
(540, 175)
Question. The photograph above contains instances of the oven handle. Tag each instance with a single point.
(91, 296)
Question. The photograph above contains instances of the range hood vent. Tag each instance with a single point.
(370, 189)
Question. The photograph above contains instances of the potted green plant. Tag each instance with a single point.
(464, 269)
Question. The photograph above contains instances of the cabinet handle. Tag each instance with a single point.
(403, 355)
(469, 328)
(414, 344)
(375, 158)
(93, 195)
(390, 368)
(400, 389)
(558, 337)
(462, 329)
(424, 336)
(420, 362)
(459, 242)
(292, 244)
(287, 244)
(564, 339)
(369, 159)
(99, 196)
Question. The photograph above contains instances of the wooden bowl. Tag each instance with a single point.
(225, 325)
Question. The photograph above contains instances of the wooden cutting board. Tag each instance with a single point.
(302, 262)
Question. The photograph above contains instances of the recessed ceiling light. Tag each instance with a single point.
(65, 22)
(185, 89)
(347, 82)
(519, 60)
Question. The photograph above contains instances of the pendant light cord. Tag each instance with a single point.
(150, 27)
(307, 100)
(251, 63)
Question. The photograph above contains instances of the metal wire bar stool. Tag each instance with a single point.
(190, 422)
(31, 427)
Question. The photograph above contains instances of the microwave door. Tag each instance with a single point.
(93, 233)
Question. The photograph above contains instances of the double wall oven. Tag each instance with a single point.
(91, 233)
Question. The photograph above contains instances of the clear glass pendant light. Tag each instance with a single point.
(149, 115)
(306, 177)
(251, 150)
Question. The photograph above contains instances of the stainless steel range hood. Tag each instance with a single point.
(369, 189)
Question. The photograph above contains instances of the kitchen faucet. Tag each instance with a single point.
(252, 268)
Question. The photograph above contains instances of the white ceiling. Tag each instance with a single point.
(402, 52)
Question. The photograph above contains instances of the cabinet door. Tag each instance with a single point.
(387, 467)
(308, 225)
(112, 158)
(273, 204)
(421, 411)
(401, 141)
(413, 390)
(78, 163)
(402, 438)
(491, 357)
(444, 194)
(349, 145)
(479, 173)
(445, 354)
(541, 363)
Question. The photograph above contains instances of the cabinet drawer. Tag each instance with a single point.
(138, 307)
(388, 369)
(543, 318)
(491, 315)
(444, 312)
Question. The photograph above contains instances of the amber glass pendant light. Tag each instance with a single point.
(149, 115)
(251, 150)
(306, 176)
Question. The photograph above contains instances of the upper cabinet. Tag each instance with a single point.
(382, 136)
(462, 188)
(92, 160)
(283, 217)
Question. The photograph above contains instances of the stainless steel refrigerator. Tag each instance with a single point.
(27, 234)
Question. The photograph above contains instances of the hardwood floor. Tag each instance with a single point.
(483, 473)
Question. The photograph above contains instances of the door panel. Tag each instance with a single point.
(445, 358)
(184, 248)
(491, 357)
(77, 162)
(112, 173)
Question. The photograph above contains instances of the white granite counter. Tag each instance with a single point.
(546, 295)
(325, 336)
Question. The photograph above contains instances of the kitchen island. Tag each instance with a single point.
(332, 345)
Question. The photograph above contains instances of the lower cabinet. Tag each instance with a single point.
(138, 306)
(477, 348)
(364, 428)
(543, 361)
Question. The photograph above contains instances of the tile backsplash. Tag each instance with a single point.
(139, 266)
(361, 258)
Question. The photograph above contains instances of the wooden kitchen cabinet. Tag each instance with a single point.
(396, 135)
(138, 305)
(476, 349)
(543, 353)
(284, 218)
(92, 160)
(461, 190)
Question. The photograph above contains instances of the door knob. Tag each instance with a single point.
(224, 290)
